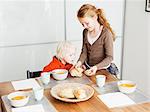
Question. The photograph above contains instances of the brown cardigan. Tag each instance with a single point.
(100, 53)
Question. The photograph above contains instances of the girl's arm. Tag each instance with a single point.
(108, 46)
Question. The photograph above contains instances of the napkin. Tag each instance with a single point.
(115, 99)
(32, 108)
(25, 84)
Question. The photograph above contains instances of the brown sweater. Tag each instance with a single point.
(100, 53)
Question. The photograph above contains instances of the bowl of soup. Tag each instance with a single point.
(60, 74)
(126, 86)
(18, 99)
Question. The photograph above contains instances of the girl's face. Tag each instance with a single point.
(88, 22)
(70, 55)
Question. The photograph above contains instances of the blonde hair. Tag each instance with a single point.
(90, 10)
(62, 48)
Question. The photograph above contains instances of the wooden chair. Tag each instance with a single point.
(33, 74)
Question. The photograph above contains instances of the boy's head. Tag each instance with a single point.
(66, 52)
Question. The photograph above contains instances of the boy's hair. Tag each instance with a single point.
(62, 49)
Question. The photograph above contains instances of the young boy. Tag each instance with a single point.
(65, 55)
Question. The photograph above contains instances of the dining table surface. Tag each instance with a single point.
(94, 104)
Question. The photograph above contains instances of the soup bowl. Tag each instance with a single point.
(18, 99)
(126, 86)
(60, 74)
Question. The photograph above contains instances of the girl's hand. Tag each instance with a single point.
(84, 67)
(77, 72)
(91, 71)
(78, 64)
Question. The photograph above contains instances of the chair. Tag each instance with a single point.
(33, 74)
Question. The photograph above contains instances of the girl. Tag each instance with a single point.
(98, 37)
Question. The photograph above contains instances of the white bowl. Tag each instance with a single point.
(60, 74)
(126, 86)
(18, 102)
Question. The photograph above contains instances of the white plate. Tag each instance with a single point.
(89, 91)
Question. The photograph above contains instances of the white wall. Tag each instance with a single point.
(136, 62)
(27, 22)
(29, 42)
(29, 32)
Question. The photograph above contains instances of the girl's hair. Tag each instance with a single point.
(90, 10)
(62, 48)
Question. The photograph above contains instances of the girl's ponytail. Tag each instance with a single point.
(103, 21)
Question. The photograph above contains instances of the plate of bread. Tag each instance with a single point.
(72, 92)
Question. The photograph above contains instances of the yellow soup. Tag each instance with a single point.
(127, 85)
(60, 72)
(18, 97)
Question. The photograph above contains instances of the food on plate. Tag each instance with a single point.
(18, 97)
(80, 93)
(76, 72)
(127, 85)
(66, 93)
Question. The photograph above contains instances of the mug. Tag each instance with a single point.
(100, 80)
(45, 77)
(38, 93)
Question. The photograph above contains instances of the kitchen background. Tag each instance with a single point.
(31, 29)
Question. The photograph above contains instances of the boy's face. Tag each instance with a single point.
(70, 55)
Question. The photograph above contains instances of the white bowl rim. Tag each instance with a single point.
(56, 70)
(12, 94)
(126, 81)
(60, 77)
(103, 76)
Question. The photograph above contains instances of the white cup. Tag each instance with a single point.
(45, 77)
(38, 93)
(100, 80)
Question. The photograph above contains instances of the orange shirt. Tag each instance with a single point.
(56, 64)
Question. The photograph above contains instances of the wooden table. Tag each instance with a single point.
(94, 104)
